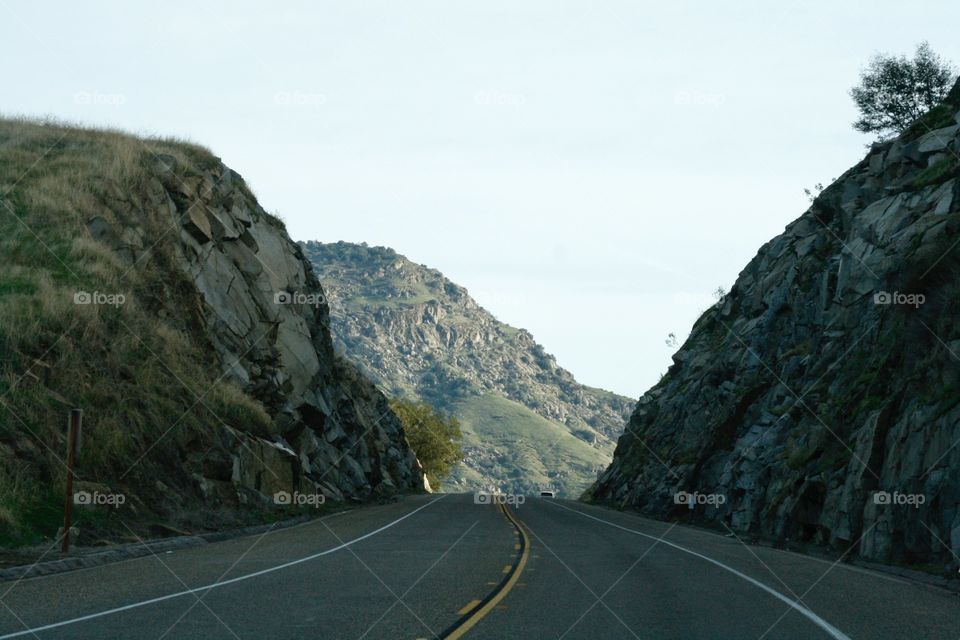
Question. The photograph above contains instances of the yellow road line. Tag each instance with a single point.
(469, 606)
(492, 601)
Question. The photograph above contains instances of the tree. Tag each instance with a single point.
(894, 91)
(433, 436)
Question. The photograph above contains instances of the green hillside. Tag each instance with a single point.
(504, 439)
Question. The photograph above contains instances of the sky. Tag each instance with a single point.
(591, 171)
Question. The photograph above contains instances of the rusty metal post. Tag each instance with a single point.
(76, 415)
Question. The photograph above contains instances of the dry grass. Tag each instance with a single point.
(138, 368)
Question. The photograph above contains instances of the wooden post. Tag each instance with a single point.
(76, 416)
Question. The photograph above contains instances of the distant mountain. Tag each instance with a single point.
(527, 422)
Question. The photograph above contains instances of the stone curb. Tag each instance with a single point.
(952, 584)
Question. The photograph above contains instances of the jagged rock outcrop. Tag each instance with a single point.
(266, 318)
(821, 396)
(418, 334)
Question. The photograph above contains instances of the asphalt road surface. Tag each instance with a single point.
(445, 567)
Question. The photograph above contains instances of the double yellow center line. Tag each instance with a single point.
(476, 610)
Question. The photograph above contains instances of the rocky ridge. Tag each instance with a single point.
(821, 396)
(418, 334)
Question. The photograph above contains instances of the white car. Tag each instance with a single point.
(547, 494)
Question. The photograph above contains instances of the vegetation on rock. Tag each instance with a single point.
(895, 91)
(434, 437)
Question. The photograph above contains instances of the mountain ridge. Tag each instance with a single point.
(419, 334)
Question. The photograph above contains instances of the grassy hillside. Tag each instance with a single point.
(506, 440)
(129, 363)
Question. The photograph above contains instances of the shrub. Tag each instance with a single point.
(894, 91)
(433, 436)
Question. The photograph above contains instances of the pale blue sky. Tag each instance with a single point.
(590, 171)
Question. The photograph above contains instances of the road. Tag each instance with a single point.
(442, 566)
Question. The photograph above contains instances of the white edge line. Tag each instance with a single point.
(148, 556)
(810, 615)
(209, 587)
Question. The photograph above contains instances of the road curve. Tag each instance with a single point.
(445, 567)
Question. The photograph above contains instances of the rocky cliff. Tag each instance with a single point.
(821, 397)
(528, 421)
(178, 313)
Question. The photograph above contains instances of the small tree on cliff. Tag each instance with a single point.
(894, 90)
(434, 437)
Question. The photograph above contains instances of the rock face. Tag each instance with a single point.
(266, 318)
(821, 397)
(418, 334)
